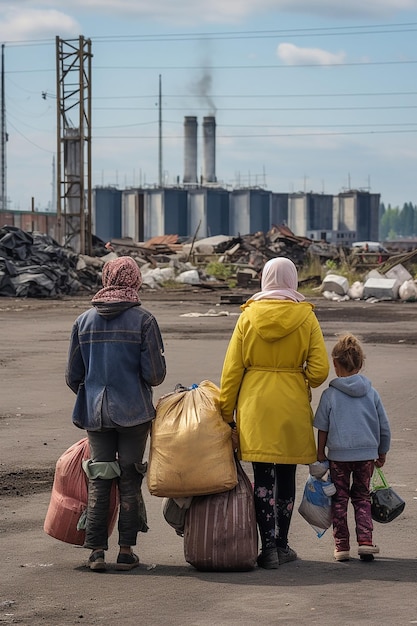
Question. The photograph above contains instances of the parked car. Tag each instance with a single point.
(369, 246)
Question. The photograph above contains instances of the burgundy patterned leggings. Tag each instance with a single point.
(351, 479)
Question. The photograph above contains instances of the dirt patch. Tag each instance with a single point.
(26, 482)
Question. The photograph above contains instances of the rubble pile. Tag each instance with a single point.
(255, 250)
(35, 265)
(395, 283)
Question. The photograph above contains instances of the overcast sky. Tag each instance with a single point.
(308, 96)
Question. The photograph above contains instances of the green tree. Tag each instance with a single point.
(390, 223)
(407, 220)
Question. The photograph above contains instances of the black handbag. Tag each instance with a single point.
(386, 504)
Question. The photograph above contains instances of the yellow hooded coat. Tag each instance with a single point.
(276, 353)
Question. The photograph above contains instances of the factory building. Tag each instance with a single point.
(357, 211)
(202, 207)
(208, 211)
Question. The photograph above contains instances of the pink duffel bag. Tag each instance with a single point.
(69, 496)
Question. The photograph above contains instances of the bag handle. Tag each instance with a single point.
(378, 473)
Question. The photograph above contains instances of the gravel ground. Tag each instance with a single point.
(44, 582)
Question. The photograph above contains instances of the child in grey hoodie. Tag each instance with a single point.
(353, 425)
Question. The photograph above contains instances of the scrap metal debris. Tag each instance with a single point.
(33, 265)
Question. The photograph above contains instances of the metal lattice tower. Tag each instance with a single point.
(3, 164)
(74, 190)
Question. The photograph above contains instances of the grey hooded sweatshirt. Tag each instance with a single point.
(352, 414)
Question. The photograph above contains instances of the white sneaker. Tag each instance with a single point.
(366, 550)
(341, 555)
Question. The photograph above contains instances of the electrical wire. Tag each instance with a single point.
(261, 136)
(365, 29)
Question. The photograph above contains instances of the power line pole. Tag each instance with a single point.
(160, 133)
(3, 199)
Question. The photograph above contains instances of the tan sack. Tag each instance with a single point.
(191, 452)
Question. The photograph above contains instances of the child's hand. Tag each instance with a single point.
(321, 457)
(380, 460)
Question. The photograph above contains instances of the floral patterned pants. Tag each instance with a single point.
(274, 492)
(351, 479)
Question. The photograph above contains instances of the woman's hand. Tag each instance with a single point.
(235, 439)
(381, 460)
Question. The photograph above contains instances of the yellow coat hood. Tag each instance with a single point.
(274, 322)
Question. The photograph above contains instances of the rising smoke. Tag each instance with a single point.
(203, 89)
(202, 86)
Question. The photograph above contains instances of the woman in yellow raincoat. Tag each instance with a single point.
(276, 353)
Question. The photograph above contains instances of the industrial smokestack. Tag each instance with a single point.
(209, 147)
(190, 149)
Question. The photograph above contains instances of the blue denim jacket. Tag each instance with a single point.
(116, 356)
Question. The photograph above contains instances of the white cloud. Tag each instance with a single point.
(216, 11)
(294, 55)
(186, 12)
(341, 8)
(31, 23)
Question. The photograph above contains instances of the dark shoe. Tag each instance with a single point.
(285, 555)
(96, 561)
(127, 562)
(268, 559)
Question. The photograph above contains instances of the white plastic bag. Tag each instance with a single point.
(316, 504)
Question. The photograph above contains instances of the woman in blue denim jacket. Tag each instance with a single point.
(116, 356)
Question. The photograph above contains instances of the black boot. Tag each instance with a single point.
(268, 558)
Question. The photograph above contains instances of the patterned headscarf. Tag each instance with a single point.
(279, 281)
(121, 279)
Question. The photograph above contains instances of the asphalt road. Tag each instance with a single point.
(44, 581)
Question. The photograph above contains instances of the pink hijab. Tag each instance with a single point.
(121, 279)
(279, 281)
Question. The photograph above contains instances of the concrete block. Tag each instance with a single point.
(337, 284)
(381, 288)
(373, 274)
(399, 272)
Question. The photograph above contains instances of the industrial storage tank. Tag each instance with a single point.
(279, 208)
(368, 216)
(106, 214)
(319, 211)
(175, 212)
(132, 214)
(250, 211)
(208, 211)
(153, 213)
(165, 212)
(358, 211)
(310, 212)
